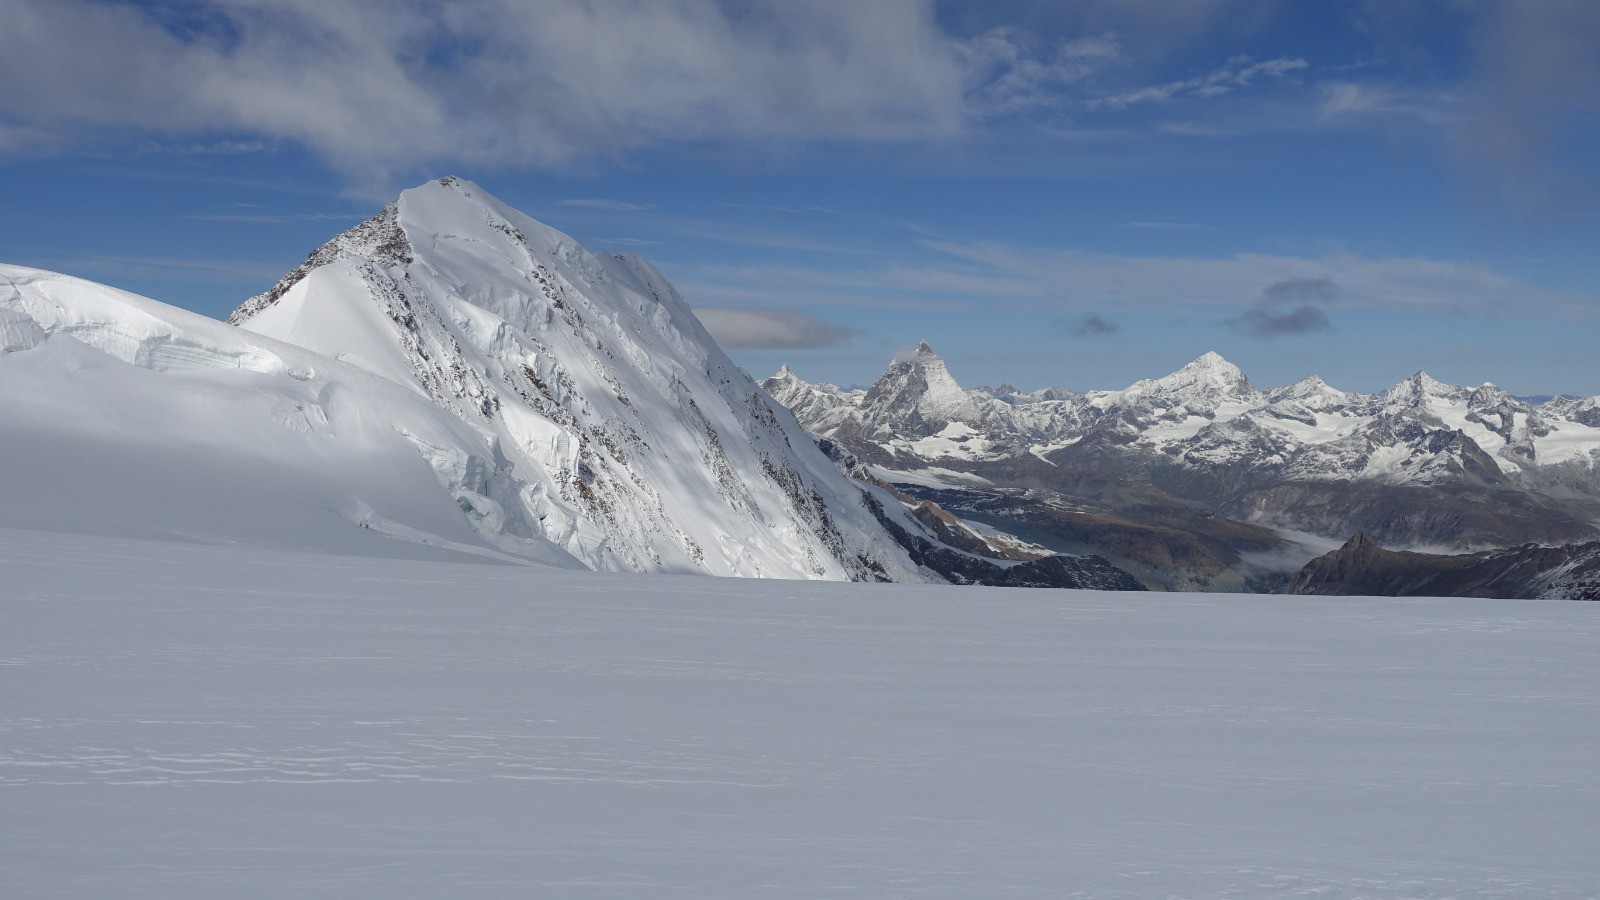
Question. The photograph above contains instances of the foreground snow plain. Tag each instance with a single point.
(188, 720)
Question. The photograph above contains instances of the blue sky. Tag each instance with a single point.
(1050, 193)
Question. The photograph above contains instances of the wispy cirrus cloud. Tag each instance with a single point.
(120, 268)
(1005, 79)
(1239, 72)
(1222, 283)
(271, 218)
(607, 205)
(999, 278)
(747, 328)
(1163, 226)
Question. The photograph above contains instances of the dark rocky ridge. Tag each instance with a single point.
(1362, 568)
(959, 567)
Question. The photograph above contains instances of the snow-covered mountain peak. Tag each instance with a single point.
(1312, 393)
(1422, 390)
(642, 445)
(1208, 369)
(1309, 386)
(1201, 387)
(917, 393)
(1489, 394)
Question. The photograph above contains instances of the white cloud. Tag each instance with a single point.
(376, 85)
(384, 89)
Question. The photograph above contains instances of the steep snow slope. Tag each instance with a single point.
(199, 722)
(126, 416)
(643, 447)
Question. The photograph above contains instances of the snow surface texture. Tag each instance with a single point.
(184, 721)
(450, 373)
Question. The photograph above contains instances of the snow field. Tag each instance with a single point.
(179, 720)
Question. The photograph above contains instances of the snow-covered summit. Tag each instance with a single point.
(1200, 387)
(1311, 392)
(1422, 390)
(916, 392)
(642, 446)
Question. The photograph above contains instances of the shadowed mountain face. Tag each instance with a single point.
(1362, 568)
(1201, 480)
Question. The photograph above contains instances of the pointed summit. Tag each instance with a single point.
(917, 394)
(1203, 385)
(1310, 392)
(593, 376)
(1359, 543)
(1212, 363)
(919, 355)
(1420, 390)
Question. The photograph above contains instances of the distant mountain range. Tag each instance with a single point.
(1200, 480)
